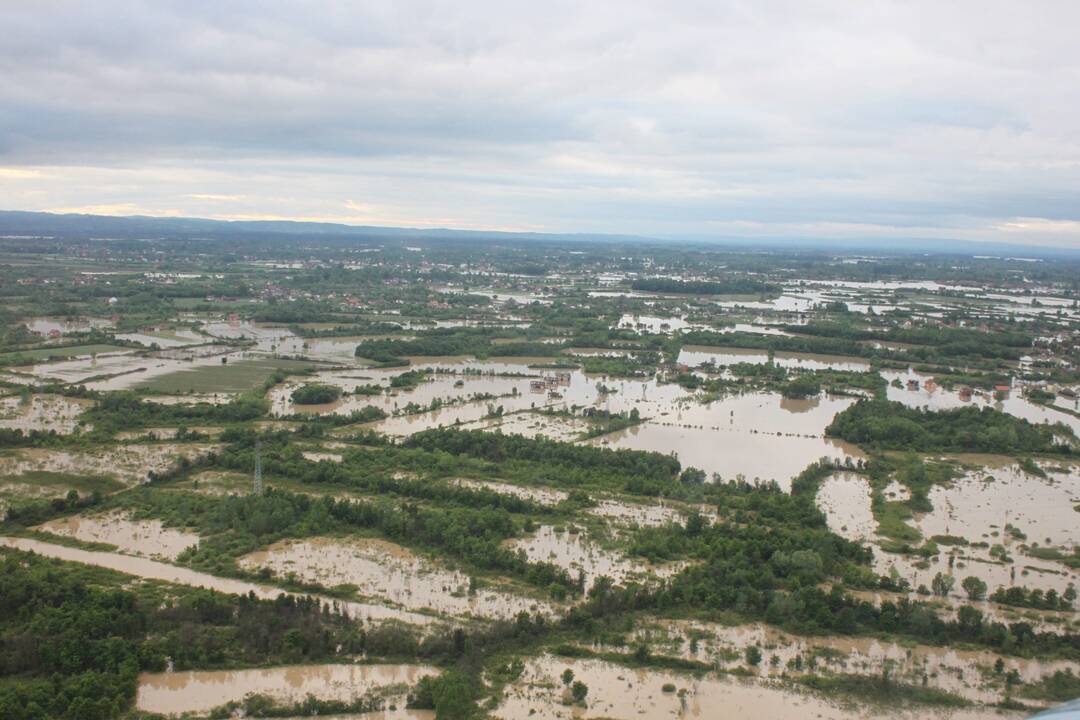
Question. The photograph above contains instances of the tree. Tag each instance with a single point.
(567, 677)
(942, 585)
(454, 697)
(974, 587)
(579, 691)
(753, 656)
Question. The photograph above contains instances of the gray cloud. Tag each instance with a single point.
(879, 118)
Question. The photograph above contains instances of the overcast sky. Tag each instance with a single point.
(847, 119)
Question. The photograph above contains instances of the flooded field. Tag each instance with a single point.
(542, 495)
(754, 435)
(580, 556)
(155, 570)
(845, 500)
(65, 326)
(966, 673)
(992, 507)
(164, 338)
(615, 691)
(635, 514)
(42, 412)
(129, 464)
(928, 395)
(175, 693)
(694, 355)
(147, 538)
(389, 572)
(533, 424)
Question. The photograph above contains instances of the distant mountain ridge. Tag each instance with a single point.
(19, 222)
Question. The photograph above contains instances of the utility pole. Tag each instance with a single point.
(258, 468)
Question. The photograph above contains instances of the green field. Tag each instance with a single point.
(85, 484)
(73, 351)
(237, 376)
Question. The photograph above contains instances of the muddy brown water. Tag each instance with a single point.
(154, 570)
(148, 538)
(174, 693)
(389, 572)
(619, 692)
(962, 672)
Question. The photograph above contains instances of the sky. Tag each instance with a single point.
(873, 119)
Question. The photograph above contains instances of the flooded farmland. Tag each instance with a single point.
(754, 435)
(44, 413)
(129, 464)
(148, 538)
(991, 507)
(965, 673)
(155, 570)
(580, 556)
(176, 693)
(615, 691)
(389, 572)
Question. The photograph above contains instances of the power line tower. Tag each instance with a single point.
(258, 468)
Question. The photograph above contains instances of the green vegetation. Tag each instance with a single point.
(734, 285)
(893, 426)
(231, 377)
(316, 394)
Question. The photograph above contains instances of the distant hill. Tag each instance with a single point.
(15, 222)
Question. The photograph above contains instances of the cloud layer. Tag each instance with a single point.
(759, 118)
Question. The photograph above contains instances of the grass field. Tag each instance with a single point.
(237, 376)
(46, 352)
(85, 484)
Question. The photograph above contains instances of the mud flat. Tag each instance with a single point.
(620, 692)
(147, 538)
(154, 570)
(389, 572)
(175, 693)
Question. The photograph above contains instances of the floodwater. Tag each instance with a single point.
(174, 693)
(845, 499)
(615, 691)
(576, 554)
(45, 325)
(754, 435)
(43, 412)
(128, 463)
(636, 514)
(167, 339)
(541, 495)
(533, 425)
(389, 572)
(694, 355)
(962, 672)
(120, 371)
(938, 398)
(148, 538)
(154, 570)
(978, 507)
